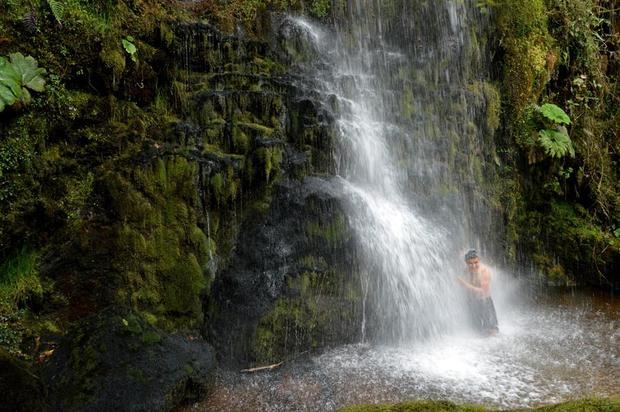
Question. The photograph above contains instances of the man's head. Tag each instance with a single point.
(472, 260)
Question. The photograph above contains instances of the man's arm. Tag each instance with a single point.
(485, 284)
(468, 285)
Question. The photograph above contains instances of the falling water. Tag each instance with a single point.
(391, 78)
(400, 78)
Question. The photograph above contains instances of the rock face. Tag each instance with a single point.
(285, 268)
(21, 389)
(222, 220)
(116, 361)
(290, 285)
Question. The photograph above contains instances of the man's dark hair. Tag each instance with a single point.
(471, 254)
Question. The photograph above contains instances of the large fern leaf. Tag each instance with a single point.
(31, 21)
(554, 113)
(555, 143)
(58, 9)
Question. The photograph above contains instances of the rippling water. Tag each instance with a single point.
(557, 348)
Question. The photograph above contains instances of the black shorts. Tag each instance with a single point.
(483, 314)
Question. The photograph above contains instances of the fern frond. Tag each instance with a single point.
(57, 8)
(555, 143)
(30, 21)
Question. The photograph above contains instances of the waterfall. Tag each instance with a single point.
(396, 75)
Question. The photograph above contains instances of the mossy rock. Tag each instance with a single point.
(21, 389)
(116, 360)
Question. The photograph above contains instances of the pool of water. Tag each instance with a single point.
(560, 347)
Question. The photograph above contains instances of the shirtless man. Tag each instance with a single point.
(478, 284)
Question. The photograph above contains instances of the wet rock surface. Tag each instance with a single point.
(116, 361)
(269, 267)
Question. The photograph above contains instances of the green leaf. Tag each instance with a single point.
(555, 143)
(36, 81)
(9, 77)
(26, 98)
(554, 113)
(31, 75)
(7, 97)
(58, 10)
(17, 75)
(130, 48)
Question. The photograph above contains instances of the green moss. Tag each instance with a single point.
(271, 157)
(491, 97)
(417, 406)
(19, 286)
(585, 405)
(114, 60)
(320, 8)
(266, 131)
(321, 312)
(406, 104)
(161, 250)
(217, 184)
(334, 232)
(150, 337)
(527, 44)
(288, 328)
(241, 142)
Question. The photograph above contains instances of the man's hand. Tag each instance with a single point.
(470, 287)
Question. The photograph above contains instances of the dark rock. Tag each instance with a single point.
(21, 389)
(117, 361)
(271, 258)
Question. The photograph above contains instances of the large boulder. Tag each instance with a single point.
(21, 389)
(117, 361)
(291, 285)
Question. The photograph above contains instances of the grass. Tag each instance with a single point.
(19, 282)
(19, 277)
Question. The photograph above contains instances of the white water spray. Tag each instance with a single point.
(410, 257)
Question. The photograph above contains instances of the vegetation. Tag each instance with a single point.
(148, 146)
(19, 286)
(102, 185)
(588, 405)
(16, 77)
(247, 12)
(562, 52)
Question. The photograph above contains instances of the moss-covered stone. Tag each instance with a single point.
(163, 254)
(22, 390)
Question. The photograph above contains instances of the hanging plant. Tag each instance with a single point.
(18, 75)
